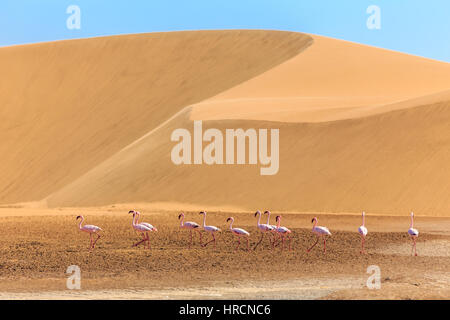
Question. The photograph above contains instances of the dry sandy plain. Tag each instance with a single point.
(86, 128)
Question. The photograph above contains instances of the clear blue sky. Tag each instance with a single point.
(420, 27)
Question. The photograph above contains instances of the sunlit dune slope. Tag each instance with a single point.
(331, 80)
(67, 106)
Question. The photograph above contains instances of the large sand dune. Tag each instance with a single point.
(360, 127)
(67, 106)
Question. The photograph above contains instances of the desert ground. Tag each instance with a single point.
(38, 245)
(86, 129)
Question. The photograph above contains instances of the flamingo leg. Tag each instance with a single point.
(282, 243)
(362, 245)
(239, 243)
(200, 234)
(139, 242)
(317, 240)
(90, 241)
(262, 236)
(148, 241)
(98, 237)
(275, 240)
(213, 239)
(270, 241)
(415, 249)
(248, 244)
(190, 243)
(289, 243)
(324, 245)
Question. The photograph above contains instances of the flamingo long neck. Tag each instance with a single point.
(412, 221)
(204, 220)
(314, 224)
(268, 217)
(279, 222)
(79, 223)
(182, 220)
(259, 219)
(133, 223)
(231, 224)
(363, 219)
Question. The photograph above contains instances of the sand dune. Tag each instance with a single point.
(360, 127)
(67, 106)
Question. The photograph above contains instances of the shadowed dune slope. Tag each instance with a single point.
(67, 106)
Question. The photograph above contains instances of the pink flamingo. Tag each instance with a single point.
(142, 229)
(191, 226)
(414, 233)
(91, 229)
(239, 233)
(138, 215)
(273, 231)
(211, 229)
(321, 232)
(263, 228)
(363, 232)
(282, 232)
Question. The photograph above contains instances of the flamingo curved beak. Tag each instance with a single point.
(179, 217)
(228, 219)
(131, 211)
(78, 217)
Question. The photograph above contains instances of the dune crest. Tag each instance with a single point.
(330, 80)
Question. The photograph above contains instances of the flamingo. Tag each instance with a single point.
(142, 229)
(263, 228)
(138, 215)
(274, 227)
(190, 226)
(363, 232)
(321, 232)
(282, 232)
(211, 229)
(414, 233)
(91, 229)
(239, 233)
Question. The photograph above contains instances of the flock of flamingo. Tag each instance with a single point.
(278, 232)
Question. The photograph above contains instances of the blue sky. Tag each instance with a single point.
(414, 26)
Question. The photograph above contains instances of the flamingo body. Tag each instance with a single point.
(413, 232)
(321, 231)
(362, 231)
(240, 232)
